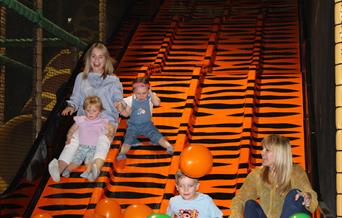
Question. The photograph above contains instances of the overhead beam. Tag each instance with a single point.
(37, 18)
(8, 61)
(24, 42)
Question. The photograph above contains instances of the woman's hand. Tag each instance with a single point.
(306, 196)
(122, 108)
(68, 111)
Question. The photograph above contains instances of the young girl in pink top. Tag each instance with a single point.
(89, 127)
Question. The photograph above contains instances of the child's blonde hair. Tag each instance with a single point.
(179, 175)
(108, 69)
(93, 100)
(281, 148)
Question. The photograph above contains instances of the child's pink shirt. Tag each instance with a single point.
(90, 130)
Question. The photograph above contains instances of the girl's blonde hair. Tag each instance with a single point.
(108, 69)
(93, 100)
(282, 166)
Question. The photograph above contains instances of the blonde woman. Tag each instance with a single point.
(97, 79)
(282, 187)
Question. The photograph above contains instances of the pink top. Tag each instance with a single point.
(89, 131)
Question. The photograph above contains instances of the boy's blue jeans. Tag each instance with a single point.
(290, 207)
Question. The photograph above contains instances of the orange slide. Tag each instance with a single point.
(224, 84)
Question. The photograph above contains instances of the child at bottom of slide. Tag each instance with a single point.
(190, 202)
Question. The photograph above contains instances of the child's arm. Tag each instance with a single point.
(109, 130)
(169, 210)
(154, 98)
(123, 110)
(71, 132)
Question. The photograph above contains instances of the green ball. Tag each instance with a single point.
(300, 215)
(159, 215)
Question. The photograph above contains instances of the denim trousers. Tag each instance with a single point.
(290, 207)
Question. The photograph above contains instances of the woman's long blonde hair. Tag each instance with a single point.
(282, 166)
(109, 69)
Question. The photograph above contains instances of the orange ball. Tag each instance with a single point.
(108, 208)
(196, 161)
(137, 211)
(41, 215)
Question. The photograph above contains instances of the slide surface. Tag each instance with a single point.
(224, 84)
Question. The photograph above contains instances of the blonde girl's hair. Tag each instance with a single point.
(109, 69)
(179, 175)
(281, 148)
(93, 100)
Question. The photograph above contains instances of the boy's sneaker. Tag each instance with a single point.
(170, 150)
(121, 157)
(66, 173)
(54, 171)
